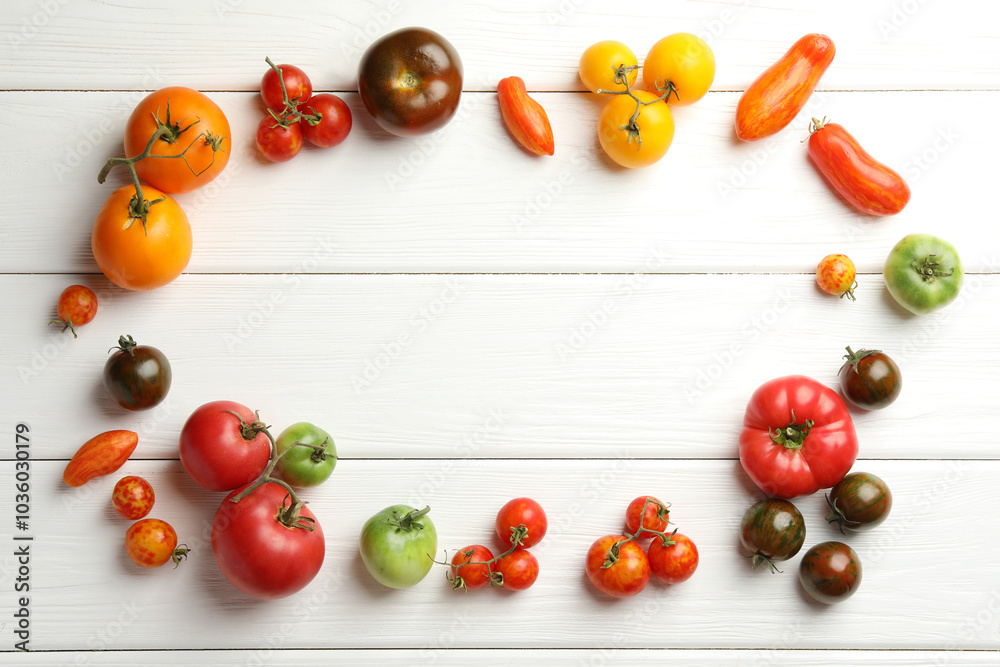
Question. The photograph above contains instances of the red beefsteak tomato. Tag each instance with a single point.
(797, 437)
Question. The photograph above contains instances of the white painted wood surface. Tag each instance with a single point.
(403, 293)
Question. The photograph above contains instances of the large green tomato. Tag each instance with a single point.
(398, 545)
(923, 273)
(310, 465)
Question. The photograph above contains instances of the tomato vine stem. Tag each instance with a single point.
(517, 536)
(621, 77)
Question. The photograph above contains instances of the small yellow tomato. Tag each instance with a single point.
(600, 61)
(639, 143)
(684, 61)
(835, 275)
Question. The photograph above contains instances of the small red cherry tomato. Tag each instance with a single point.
(297, 85)
(278, 142)
(77, 306)
(518, 569)
(867, 184)
(133, 497)
(152, 542)
(521, 512)
(333, 125)
(835, 275)
(468, 570)
(674, 561)
(617, 567)
(655, 515)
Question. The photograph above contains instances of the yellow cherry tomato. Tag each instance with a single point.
(639, 143)
(599, 62)
(683, 60)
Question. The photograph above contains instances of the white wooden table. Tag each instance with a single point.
(576, 333)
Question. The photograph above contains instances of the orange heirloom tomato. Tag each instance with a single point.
(778, 95)
(195, 126)
(835, 275)
(132, 497)
(683, 61)
(525, 118)
(599, 62)
(153, 542)
(649, 137)
(137, 256)
(101, 455)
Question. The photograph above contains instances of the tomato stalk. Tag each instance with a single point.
(837, 516)
(621, 77)
(291, 114)
(792, 436)
(853, 358)
(930, 269)
(517, 536)
(613, 552)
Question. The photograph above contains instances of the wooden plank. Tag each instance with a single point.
(925, 569)
(485, 367)
(220, 45)
(467, 199)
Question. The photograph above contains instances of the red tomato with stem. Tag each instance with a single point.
(468, 570)
(653, 513)
(518, 570)
(264, 544)
(132, 497)
(798, 437)
(866, 184)
(334, 123)
(673, 560)
(278, 140)
(617, 566)
(297, 86)
(223, 446)
(518, 512)
(152, 543)
(77, 306)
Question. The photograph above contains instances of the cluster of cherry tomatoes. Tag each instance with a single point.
(520, 525)
(618, 564)
(294, 114)
(148, 542)
(636, 127)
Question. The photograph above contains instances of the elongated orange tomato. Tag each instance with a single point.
(778, 95)
(869, 186)
(101, 455)
(525, 118)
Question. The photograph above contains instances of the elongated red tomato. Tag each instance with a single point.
(797, 437)
(867, 184)
(525, 118)
(101, 455)
(778, 95)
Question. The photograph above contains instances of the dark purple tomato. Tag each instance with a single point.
(859, 502)
(136, 377)
(869, 379)
(410, 81)
(771, 530)
(830, 572)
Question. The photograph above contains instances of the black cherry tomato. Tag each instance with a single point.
(870, 379)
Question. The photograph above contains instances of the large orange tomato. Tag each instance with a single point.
(140, 256)
(194, 124)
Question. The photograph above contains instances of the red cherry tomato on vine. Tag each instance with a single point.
(620, 571)
(297, 85)
(654, 515)
(519, 569)
(466, 571)
(526, 512)
(133, 497)
(334, 125)
(222, 450)
(835, 275)
(77, 306)
(152, 543)
(674, 562)
(278, 142)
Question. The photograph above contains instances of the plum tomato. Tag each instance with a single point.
(132, 497)
(673, 559)
(870, 379)
(410, 81)
(635, 134)
(608, 65)
(617, 566)
(152, 543)
(312, 458)
(859, 502)
(835, 275)
(684, 64)
(923, 273)
(77, 306)
(334, 123)
(772, 530)
(398, 544)
(101, 455)
(650, 512)
(830, 572)
(137, 377)
(297, 86)
(469, 569)
(521, 512)
(279, 140)
(517, 570)
(223, 445)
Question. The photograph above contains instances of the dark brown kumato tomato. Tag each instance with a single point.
(830, 572)
(137, 377)
(859, 502)
(410, 81)
(870, 379)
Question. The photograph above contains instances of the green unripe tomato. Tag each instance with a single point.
(305, 466)
(398, 545)
(923, 273)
